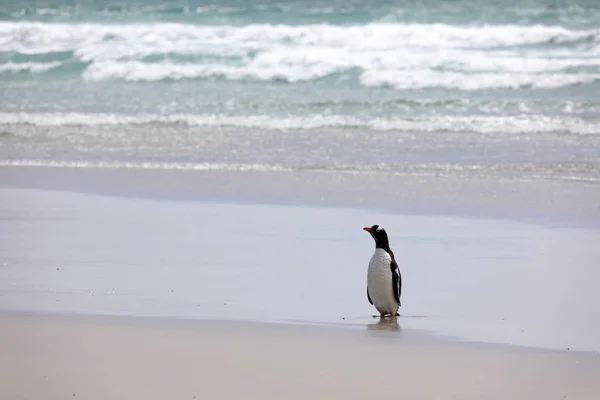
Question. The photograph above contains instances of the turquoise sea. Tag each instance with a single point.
(507, 88)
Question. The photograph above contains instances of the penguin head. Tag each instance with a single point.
(379, 235)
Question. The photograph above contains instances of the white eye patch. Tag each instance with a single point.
(379, 228)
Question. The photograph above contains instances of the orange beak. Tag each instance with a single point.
(367, 229)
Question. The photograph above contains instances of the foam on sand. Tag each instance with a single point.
(522, 124)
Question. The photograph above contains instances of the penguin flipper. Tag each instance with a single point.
(396, 281)
(369, 297)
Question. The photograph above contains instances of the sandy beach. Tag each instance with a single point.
(160, 284)
(565, 201)
(187, 252)
(57, 357)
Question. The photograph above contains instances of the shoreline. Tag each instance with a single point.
(566, 202)
(387, 329)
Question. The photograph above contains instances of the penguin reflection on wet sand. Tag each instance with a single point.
(384, 282)
(385, 324)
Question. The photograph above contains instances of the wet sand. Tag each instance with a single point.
(252, 286)
(174, 255)
(58, 357)
(566, 201)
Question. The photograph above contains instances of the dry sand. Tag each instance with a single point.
(59, 357)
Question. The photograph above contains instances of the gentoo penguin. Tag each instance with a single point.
(384, 282)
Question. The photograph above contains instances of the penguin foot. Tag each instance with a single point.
(382, 315)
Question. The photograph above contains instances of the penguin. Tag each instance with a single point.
(384, 282)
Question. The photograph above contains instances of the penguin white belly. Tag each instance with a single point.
(380, 283)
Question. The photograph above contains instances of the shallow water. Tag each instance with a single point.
(373, 86)
(475, 279)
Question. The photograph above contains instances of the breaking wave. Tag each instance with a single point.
(397, 55)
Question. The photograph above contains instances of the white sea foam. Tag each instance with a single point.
(29, 66)
(396, 55)
(133, 41)
(570, 172)
(419, 79)
(146, 165)
(516, 125)
(37, 37)
(280, 69)
(138, 71)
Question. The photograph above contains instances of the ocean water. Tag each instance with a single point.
(508, 89)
